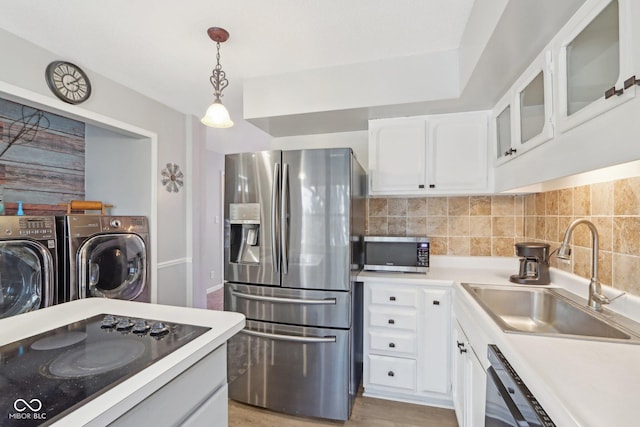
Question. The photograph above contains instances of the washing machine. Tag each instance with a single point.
(104, 256)
(28, 260)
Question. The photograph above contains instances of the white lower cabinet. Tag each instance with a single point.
(407, 331)
(469, 381)
(196, 397)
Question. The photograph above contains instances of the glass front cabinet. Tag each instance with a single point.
(595, 62)
(523, 119)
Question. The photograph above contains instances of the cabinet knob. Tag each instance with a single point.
(612, 91)
(392, 345)
(630, 82)
(459, 344)
(392, 298)
(436, 302)
(510, 151)
(420, 186)
(390, 373)
(392, 322)
(462, 350)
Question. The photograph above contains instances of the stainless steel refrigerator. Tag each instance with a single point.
(294, 226)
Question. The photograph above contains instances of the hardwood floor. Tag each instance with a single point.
(367, 412)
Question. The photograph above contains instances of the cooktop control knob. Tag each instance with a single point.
(159, 329)
(109, 321)
(140, 327)
(124, 324)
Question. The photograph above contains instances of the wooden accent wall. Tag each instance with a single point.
(44, 171)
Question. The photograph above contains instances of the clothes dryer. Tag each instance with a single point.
(105, 256)
(28, 259)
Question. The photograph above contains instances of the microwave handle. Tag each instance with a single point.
(511, 406)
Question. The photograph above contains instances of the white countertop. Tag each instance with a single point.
(119, 399)
(578, 382)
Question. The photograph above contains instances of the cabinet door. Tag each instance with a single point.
(477, 388)
(397, 157)
(435, 335)
(458, 152)
(502, 130)
(458, 373)
(533, 105)
(595, 57)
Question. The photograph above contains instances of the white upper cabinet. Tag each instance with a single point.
(458, 161)
(523, 119)
(440, 154)
(502, 130)
(594, 61)
(533, 104)
(397, 155)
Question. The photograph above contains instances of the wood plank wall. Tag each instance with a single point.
(44, 171)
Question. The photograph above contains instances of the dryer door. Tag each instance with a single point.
(26, 277)
(112, 266)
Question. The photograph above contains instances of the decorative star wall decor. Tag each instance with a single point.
(172, 178)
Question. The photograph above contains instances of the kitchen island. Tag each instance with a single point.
(182, 386)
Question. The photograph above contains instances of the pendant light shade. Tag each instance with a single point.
(217, 115)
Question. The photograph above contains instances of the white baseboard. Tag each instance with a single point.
(215, 288)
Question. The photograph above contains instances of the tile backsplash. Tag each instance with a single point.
(491, 225)
(475, 225)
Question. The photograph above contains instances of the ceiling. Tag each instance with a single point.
(160, 48)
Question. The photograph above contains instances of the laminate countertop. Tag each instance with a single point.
(579, 382)
(114, 402)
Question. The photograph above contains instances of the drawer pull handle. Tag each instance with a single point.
(390, 373)
(392, 345)
(436, 302)
(392, 298)
(392, 322)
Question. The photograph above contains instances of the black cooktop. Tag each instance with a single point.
(46, 376)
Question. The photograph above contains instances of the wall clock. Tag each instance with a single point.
(68, 82)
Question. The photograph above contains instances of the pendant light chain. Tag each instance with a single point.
(218, 76)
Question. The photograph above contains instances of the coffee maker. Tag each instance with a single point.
(534, 264)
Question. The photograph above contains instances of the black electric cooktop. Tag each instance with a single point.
(46, 376)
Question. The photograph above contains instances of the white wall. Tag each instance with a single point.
(358, 141)
(118, 171)
(115, 103)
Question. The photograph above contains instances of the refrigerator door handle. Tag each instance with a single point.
(275, 219)
(284, 214)
(326, 301)
(288, 337)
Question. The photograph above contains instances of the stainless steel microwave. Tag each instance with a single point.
(402, 254)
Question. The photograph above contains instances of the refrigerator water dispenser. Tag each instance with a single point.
(244, 219)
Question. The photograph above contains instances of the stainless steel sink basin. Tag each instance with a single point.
(551, 312)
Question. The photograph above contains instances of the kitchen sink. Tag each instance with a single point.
(551, 312)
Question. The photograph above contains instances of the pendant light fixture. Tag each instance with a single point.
(217, 115)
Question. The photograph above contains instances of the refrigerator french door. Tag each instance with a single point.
(294, 222)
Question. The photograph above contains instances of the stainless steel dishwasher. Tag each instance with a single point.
(509, 402)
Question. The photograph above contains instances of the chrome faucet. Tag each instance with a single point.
(596, 297)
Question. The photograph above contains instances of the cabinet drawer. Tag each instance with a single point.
(394, 296)
(392, 342)
(392, 319)
(392, 372)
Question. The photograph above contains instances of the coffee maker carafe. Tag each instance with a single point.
(534, 264)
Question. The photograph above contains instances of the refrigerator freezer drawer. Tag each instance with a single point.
(292, 306)
(291, 369)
